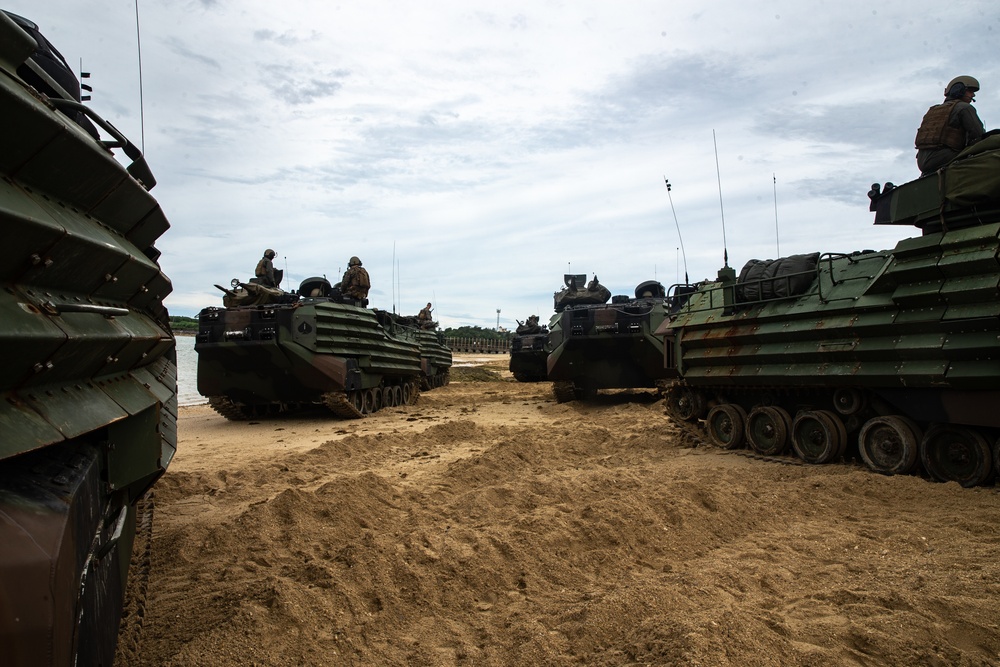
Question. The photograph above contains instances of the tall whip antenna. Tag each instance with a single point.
(718, 174)
(393, 277)
(678, 225)
(777, 239)
(86, 87)
(138, 46)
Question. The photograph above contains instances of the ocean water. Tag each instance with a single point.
(187, 372)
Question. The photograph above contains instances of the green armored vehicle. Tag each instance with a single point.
(529, 350)
(304, 351)
(893, 354)
(595, 345)
(435, 355)
(89, 369)
(435, 359)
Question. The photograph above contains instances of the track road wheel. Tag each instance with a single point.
(368, 401)
(356, 399)
(767, 430)
(817, 436)
(397, 395)
(848, 401)
(387, 398)
(890, 445)
(686, 404)
(956, 454)
(838, 422)
(725, 425)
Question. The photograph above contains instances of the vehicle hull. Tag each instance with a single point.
(89, 378)
(278, 357)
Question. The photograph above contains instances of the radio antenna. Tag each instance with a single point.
(777, 239)
(718, 174)
(138, 46)
(85, 87)
(393, 277)
(678, 225)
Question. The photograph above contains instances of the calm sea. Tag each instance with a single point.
(187, 372)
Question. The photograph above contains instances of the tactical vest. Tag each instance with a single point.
(935, 132)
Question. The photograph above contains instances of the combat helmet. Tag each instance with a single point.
(958, 85)
(354, 261)
(269, 253)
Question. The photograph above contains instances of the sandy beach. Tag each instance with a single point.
(489, 525)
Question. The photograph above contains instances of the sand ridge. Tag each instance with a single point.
(489, 525)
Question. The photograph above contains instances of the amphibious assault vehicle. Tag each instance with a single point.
(892, 355)
(300, 351)
(435, 355)
(89, 374)
(529, 351)
(596, 345)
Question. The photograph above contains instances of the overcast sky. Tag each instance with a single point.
(493, 146)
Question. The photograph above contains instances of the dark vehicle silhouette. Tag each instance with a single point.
(271, 352)
(597, 345)
(529, 349)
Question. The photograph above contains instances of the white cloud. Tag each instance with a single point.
(495, 145)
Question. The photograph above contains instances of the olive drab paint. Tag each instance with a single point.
(89, 377)
(891, 357)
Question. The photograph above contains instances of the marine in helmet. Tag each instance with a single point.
(355, 283)
(529, 326)
(425, 318)
(949, 127)
(265, 270)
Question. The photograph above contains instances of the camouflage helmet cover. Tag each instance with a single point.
(269, 253)
(354, 261)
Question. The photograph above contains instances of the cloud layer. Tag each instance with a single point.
(471, 153)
